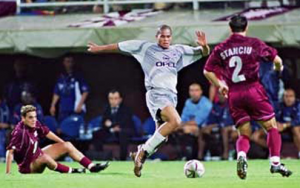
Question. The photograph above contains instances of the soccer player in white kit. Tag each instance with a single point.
(160, 62)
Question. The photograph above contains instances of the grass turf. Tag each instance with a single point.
(221, 174)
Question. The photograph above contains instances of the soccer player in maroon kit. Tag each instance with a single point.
(237, 58)
(23, 147)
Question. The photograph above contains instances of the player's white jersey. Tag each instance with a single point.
(160, 65)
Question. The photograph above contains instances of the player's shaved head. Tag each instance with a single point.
(162, 28)
(238, 23)
(164, 36)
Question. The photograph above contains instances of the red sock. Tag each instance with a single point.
(85, 162)
(62, 168)
(274, 142)
(242, 144)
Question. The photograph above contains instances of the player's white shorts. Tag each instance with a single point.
(159, 99)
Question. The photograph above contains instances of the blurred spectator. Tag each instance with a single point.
(4, 125)
(273, 82)
(288, 115)
(27, 99)
(220, 118)
(71, 91)
(116, 123)
(195, 113)
(274, 86)
(20, 83)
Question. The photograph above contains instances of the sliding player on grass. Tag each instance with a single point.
(238, 59)
(23, 147)
(160, 62)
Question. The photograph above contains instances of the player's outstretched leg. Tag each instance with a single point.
(38, 166)
(59, 149)
(173, 121)
(242, 147)
(274, 144)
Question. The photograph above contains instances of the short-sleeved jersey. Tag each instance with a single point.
(161, 65)
(25, 143)
(69, 87)
(198, 112)
(238, 58)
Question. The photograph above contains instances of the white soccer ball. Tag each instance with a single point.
(194, 169)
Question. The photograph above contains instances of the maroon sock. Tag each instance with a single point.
(85, 162)
(62, 168)
(274, 142)
(242, 144)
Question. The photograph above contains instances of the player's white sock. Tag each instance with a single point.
(242, 154)
(153, 142)
(275, 160)
(70, 170)
(299, 155)
(91, 165)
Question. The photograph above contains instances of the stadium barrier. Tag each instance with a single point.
(107, 3)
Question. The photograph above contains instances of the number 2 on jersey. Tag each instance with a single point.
(236, 62)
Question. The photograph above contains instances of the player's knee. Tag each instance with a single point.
(176, 122)
(269, 125)
(68, 145)
(44, 158)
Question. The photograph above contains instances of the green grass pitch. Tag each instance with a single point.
(219, 174)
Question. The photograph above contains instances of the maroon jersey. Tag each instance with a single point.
(25, 143)
(238, 58)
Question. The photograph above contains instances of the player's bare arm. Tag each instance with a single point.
(278, 66)
(9, 159)
(201, 40)
(54, 138)
(223, 88)
(94, 48)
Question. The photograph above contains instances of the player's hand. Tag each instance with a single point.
(78, 109)
(92, 47)
(108, 123)
(117, 129)
(282, 126)
(201, 38)
(58, 131)
(52, 110)
(223, 89)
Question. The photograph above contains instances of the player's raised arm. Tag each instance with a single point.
(54, 137)
(278, 66)
(201, 40)
(94, 48)
(9, 159)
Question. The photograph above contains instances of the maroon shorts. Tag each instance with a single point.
(24, 167)
(249, 102)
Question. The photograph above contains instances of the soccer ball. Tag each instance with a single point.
(194, 169)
